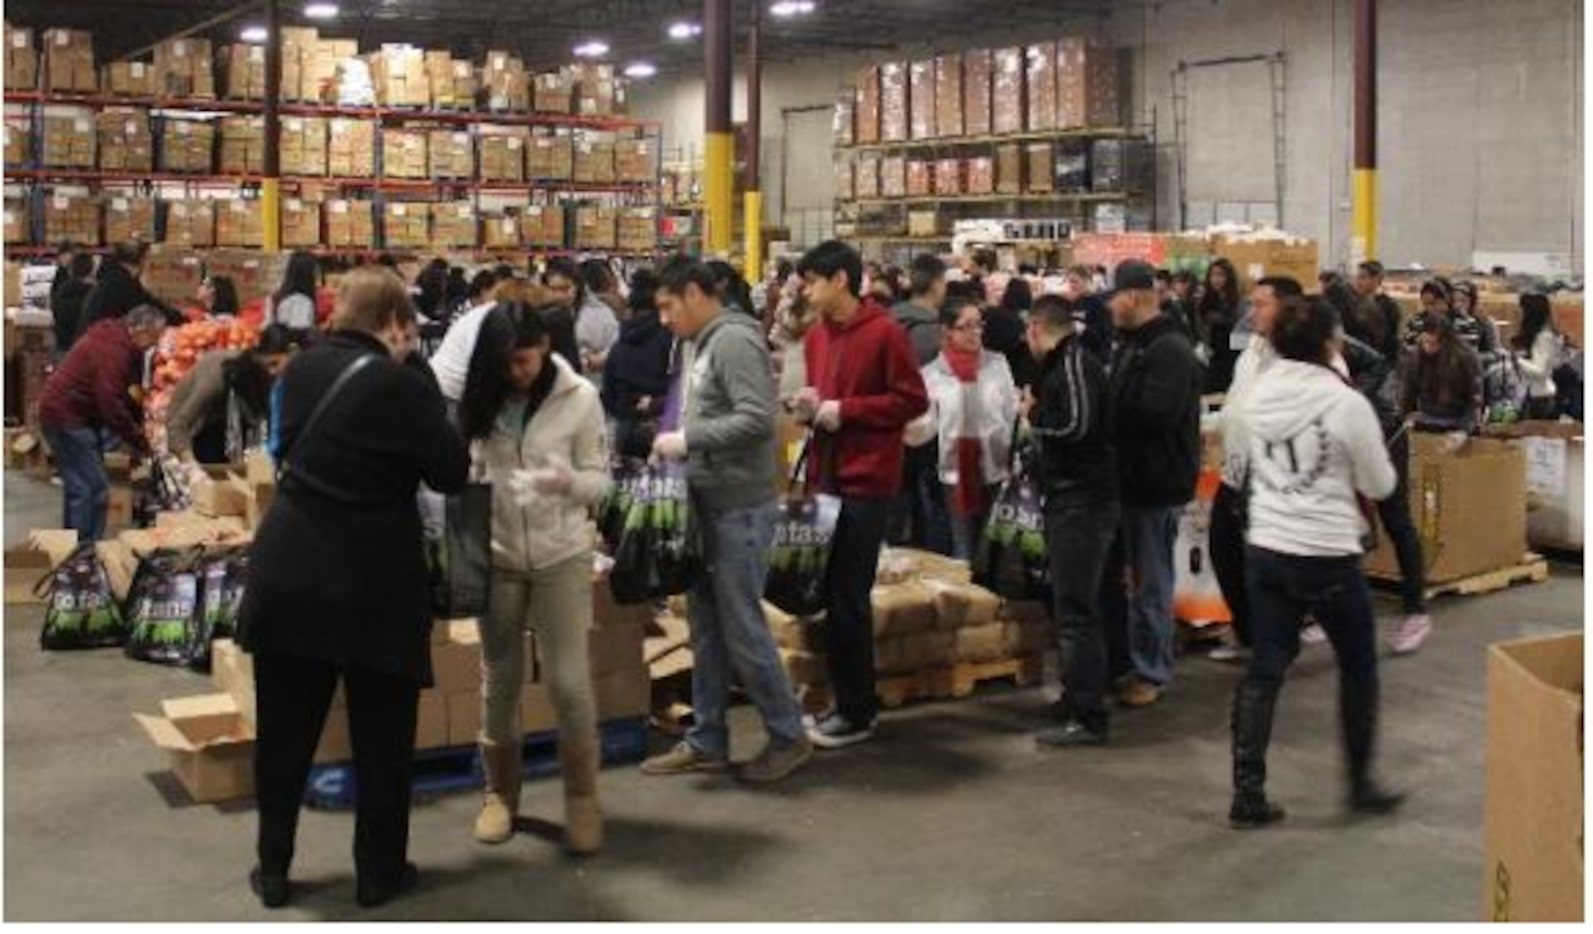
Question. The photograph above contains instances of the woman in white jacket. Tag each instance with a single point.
(537, 429)
(973, 406)
(1538, 347)
(1316, 459)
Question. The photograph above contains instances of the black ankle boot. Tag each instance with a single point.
(373, 893)
(272, 890)
(1368, 798)
(1253, 706)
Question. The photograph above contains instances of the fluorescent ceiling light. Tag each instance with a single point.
(684, 30)
(594, 49)
(641, 70)
(320, 10)
(792, 8)
(254, 34)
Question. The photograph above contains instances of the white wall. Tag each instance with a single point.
(1480, 130)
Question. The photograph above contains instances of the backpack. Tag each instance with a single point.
(1504, 388)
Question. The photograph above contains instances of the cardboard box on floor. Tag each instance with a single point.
(1469, 507)
(1533, 870)
(26, 565)
(1555, 485)
(210, 746)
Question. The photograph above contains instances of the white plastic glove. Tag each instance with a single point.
(670, 446)
(828, 416)
(553, 480)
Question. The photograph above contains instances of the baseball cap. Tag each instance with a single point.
(1134, 274)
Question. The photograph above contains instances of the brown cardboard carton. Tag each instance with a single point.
(187, 145)
(1009, 169)
(902, 609)
(407, 224)
(431, 721)
(638, 229)
(130, 79)
(543, 225)
(503, 158)
(71, 217)
(985, 643)
(1008, 103)
(404, 153)
(554, 93)
(210, 746)
(596, 227)
(845, 118)
(1088, 84)
(1041, 158)
(893, 177)
(1556, 490)
(243, 71)
(868, 105)
(948, 177)
(69, 140)
(920, 177)
(927, 222)
(451, 154)
(550, 158)
(868, 177)
(21, 59)
(616, 648)
(948, 96)
(351, 148)
(242, 144)
(240, 223)
(894, 115)
(1041, 83)
(594, 162)
(18, 143)
(124, 141)
(1534, 825)
(17, 228)
(962, 605)
(464, 718)
(624, 694)
(304, 146)
(28, 564)
(635, 161)
(183, 68)
(981, 175)
(455, 224)
(69, 61)
(129, 219)
(978, 70)
(191, 222)
(845, 177)
(456, 666)
(349, 224)
(804, 668)
(301, 223)
(537, 713)
(922, 100)
(500, 233)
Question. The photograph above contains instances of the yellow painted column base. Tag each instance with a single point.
(271, 214)
(720, 222)
(1363, 221)
(752, 224)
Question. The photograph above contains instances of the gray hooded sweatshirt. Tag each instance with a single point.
(730, 415)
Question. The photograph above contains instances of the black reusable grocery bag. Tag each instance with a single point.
(223, 574)
(799, 556)
(657, 555)
(459, 552)
(163, 611)
(81, 610)
(1011, 559)
(616, 502)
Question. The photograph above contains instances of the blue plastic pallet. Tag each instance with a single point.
(456, 768)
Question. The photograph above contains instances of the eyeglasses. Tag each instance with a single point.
(973, 328)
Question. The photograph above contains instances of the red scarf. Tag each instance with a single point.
(968, 497)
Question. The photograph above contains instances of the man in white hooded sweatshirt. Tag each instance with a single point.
(1316, 456)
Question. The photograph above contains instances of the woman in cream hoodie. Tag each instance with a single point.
(1316, 459)
(537, 429)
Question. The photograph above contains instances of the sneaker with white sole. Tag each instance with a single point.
(1412, 633)
(1229, 653)
(777, 762)
(837, 732)
(1313, 635)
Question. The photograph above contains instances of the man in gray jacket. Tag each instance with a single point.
(727, 440)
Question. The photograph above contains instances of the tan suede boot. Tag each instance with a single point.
(500, 804)
(583, 820)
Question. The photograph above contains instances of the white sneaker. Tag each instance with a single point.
(1313, 635)
(1229, 653)
(1412, 633)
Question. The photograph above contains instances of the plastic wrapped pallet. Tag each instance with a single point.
(542, 225)
(921, 99)
(404, 153)
(71, 217)
(69, 139)
(1088, 84)
(920, 178)
(454, 224)
(503, 157)
(551, 158)
(17, 228)
(298, 49)
(894, 92)
(128, 79)
(243, 71)
(1041, 84)
(868, 177)
(986, 643)
(185, 68)
(304, 146)
(868, 105)
(349, 224)
(981, 175)
(893, 177)
(977, 75)
(350, 148)
(301, 223)
(69, 61)
(399, 72)
(597, 91)
(21, 59)
(846, 118)
(903, 609)
(594, 163)
(948, 96)
(451, 154)
(242, 144)
(505, 83)
(1007, 97)
(191, 222)
(125, 141)
(635, 161)
(129, 218)
(948, 177)
(187, 146)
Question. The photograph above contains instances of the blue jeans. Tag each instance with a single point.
(730, 635)
(966, 531)
(1144, 628)
(80, 458)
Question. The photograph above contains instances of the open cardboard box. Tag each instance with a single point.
(210, 745)
(26, 565)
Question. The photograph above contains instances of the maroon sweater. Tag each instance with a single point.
(869, 366)
(90, 388)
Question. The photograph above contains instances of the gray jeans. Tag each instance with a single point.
(555, 604)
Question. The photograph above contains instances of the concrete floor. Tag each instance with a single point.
(950, 815)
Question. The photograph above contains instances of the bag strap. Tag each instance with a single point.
(343, 378)
(799, 468)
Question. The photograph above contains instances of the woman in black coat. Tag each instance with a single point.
(338, 580)
(636, 378)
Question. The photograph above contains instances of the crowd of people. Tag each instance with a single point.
(923, 390)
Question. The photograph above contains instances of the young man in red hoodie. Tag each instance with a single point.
(89, 395)
(863, 388)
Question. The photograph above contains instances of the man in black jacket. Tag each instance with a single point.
(1070, 415)
(117, 290)
(1156, 397)
(1381, 330)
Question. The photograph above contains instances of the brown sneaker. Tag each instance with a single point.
(682, 760)
(777, 762)
(1139, 693)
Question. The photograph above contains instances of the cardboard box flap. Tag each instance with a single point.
(206, 719)
(57, 543)
(164, 734)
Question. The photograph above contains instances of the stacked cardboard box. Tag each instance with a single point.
(1007, 101)
(185, 68)
(894, 114)
(129, 219)
(503, 157)
(321, 65)
(868, 105)
(597, 92)
(846, 118)
(542, 225)
(242, 144)
(304, 149)
(18, 143)
(500, 233)
(594, 162)
(69, 139)
(172, 274)
(868, 177)
(506, 83)
(71, 217)
(349, 224)
(21, 59)
(948, 96)
(920, 177)
(893, 177)
(555, 93)
(596, 227)
(638, 229)
(453, 83)
(454, 224)
(1041, 84)
(1088, 84)
(350, 148)
(68, 61)
(17, 228)
(978, 70)
(1127, 165)
(403, 153)
(845, 177)
(399, 73)
(1042, 167)
(243, 72)
(948, 177)
(1009, 169)
(130, 79)
(1255, 256)
(551, 158)
(190, 222)
(407, 225)
(981, 175)
(921, 98)
(239, 223)
(634, 161)
(451, 154)
(256, 275)
(187, 145)
(298, 63)
(301, 223)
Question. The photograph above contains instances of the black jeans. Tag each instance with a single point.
(1079, 535)
(292, 696)
(1283, 589)
(1394, 513)
(1225, 542)
(849, 627)
(919, 516)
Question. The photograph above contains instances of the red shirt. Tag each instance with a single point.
(869, 366)
(91, 387)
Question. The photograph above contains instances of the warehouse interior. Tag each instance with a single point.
(1273, 131)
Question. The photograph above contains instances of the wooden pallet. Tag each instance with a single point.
(1533, 569)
